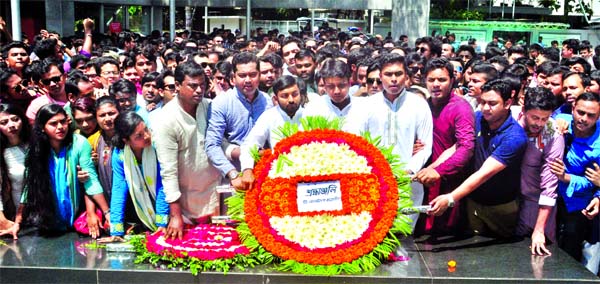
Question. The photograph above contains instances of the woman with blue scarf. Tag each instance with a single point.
(52, 194)
(137, 191)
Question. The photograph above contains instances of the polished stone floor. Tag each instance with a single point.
(67, 259)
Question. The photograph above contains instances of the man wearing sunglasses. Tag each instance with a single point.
(53, 79)
(13, 89)
(429, 47)
(166, 86)
(374, 84)
(208, 67)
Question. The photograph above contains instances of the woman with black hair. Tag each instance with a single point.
(14, 138)
(137, 191)
(52, 193)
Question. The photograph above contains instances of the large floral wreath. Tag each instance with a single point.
(324, 201)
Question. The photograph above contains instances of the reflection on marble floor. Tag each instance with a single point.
(478, 260)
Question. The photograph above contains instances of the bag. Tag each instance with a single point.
(81, 225)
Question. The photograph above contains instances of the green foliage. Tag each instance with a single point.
(286, 130)
(453, 10)
(134, 10)
(552, 4)
(255, 153)
(321, 122)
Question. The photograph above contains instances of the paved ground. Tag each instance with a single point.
(65, 259)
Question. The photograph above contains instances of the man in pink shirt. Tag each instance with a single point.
(537, 215)
(453, 143)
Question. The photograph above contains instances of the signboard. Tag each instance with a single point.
(115, 27)
(319, 196)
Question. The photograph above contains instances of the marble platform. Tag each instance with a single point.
(66, 259)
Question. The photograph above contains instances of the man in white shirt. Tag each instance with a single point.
(264, 132)
(188, 178)
(338, 103)
(400, 117)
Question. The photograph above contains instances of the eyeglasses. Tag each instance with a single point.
(206, 64)
(423, 49)
(18, 88)
(55, 79)
(170, 87)
(106, 73)
(371, 81)
(415, 70)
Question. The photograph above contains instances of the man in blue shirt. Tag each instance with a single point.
(233, 115)
(575, 189)
(499, 146)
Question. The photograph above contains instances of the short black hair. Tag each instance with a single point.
(11, 45)
(587, 96)
(571, 44)
(539, 98)
(439, 63)
(551, 68)
(283, 82)
(392, 58)
(585, 79)
(551, 53)
(49, 62)
(335, 68)
(101, 61)
(189, 68)
(244, 58)
(150, 77)
(498, 85)
(579, 60)
(122, 86)
(485, 68)
(272, 58)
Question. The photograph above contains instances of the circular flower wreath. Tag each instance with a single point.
(354, 238)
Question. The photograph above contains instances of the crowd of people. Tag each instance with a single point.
(118, 134)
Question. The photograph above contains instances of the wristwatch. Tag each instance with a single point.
(450, 201)
(233, 174)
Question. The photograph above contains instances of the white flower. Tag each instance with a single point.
(318, 158)
(322, 231)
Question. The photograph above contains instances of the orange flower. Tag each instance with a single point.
(376, 194)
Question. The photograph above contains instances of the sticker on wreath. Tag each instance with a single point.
(319, 196)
